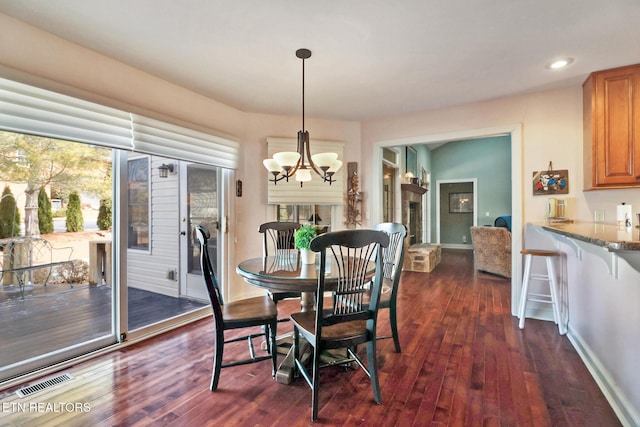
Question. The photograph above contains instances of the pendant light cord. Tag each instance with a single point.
(303, 128)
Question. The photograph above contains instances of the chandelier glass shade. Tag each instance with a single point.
(300, 163)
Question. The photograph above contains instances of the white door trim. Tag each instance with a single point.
(517, 187)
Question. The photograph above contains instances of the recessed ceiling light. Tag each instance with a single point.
(560, 63)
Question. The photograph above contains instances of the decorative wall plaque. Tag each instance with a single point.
(551, 181)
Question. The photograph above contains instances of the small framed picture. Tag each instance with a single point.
(461, 203)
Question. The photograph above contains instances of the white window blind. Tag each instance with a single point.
(315, 192)
(35, 111)
(175, 142)
(31, 110)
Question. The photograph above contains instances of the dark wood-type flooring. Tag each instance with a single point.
(464, 363)
(53, 317)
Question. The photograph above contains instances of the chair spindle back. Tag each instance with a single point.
(278, 237)
(352, 251)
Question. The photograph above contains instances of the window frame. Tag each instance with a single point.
(130, 245)
(310, 209)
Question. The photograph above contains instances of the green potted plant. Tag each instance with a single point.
(302, 239)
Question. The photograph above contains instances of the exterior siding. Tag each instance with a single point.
(148, 270)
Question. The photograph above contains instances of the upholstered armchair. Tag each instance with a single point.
(492, 250)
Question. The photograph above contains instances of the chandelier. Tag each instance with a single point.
(300, 163)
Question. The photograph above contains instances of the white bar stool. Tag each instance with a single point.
(551, 298)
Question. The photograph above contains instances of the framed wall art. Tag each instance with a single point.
(551, 182)
(461, 203)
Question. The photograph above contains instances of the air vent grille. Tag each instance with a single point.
(43, 385)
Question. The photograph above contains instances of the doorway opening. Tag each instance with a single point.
(456, 207)
(514, 131)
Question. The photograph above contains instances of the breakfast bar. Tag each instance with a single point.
(607, 241)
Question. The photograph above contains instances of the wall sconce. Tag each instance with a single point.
(163, 171)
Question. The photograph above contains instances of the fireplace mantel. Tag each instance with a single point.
(413, 188)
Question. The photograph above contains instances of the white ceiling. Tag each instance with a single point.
(371, 58)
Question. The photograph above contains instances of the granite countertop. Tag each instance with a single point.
(605, 235)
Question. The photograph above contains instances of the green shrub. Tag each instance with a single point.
(9, 215)
(75, 222)
(104, 214)
(304, 235)
(45, 217)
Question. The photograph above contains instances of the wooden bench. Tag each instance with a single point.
(27, 260)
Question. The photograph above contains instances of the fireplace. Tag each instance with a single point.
(415, 222)
(412, 216)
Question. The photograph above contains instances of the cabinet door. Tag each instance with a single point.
(617, 145)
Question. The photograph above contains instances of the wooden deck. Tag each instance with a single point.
(464, 362)
(53, 317)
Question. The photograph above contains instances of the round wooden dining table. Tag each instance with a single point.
(284, 273)
(287, 273)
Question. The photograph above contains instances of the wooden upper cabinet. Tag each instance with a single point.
(612, 128)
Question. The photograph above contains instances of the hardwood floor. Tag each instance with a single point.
(464, 363)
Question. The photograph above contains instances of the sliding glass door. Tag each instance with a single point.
(59, 283)
(96, 216)
(54, 218)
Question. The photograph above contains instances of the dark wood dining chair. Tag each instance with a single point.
(392, 258)
(246, 313)
(277, 240)
(350, 315)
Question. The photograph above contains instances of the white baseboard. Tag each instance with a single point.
(627, 414)
(455, 246)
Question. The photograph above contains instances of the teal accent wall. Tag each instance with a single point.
(454, 227)
(488, 160)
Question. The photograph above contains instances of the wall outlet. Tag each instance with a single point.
(486, 214)
(598, 216)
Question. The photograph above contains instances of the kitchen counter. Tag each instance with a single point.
(607, 236)
(606, 241)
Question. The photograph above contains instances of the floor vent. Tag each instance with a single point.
(43, 385)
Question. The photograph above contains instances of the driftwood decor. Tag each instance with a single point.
(354, 196)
